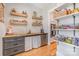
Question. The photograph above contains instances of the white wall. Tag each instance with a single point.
(20, 8)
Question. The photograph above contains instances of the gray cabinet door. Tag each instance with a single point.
(43, 40)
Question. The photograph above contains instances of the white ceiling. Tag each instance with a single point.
(43, 6)
(39, 6)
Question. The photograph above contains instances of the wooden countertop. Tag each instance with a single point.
(24, 35)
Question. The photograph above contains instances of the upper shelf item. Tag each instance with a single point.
(36, 17)
(15, 13)
(61, 11)
(18, 22)
(37, 23)
(57, 14)
(37, 20)
(1, 5)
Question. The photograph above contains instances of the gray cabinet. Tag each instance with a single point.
(13, 45)
(44, 40)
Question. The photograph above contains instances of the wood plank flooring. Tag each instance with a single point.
(42, 51)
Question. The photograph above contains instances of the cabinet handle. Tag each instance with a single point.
(74, 49)
(16, 44)
(15, 50)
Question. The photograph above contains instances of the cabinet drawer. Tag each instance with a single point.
(9, 40)
(12, 39)
(7, 45)
(13, 51)
(20, 42)
(20, 38)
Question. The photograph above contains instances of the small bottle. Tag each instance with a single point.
(42, 31)
(29, 32)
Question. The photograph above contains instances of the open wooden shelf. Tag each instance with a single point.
(1, 12)
(18, 14)
(16, 22)
(38, 18)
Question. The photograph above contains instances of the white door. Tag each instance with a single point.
(28, 43)
(36, 41)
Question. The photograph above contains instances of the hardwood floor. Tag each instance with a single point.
(42, 51)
